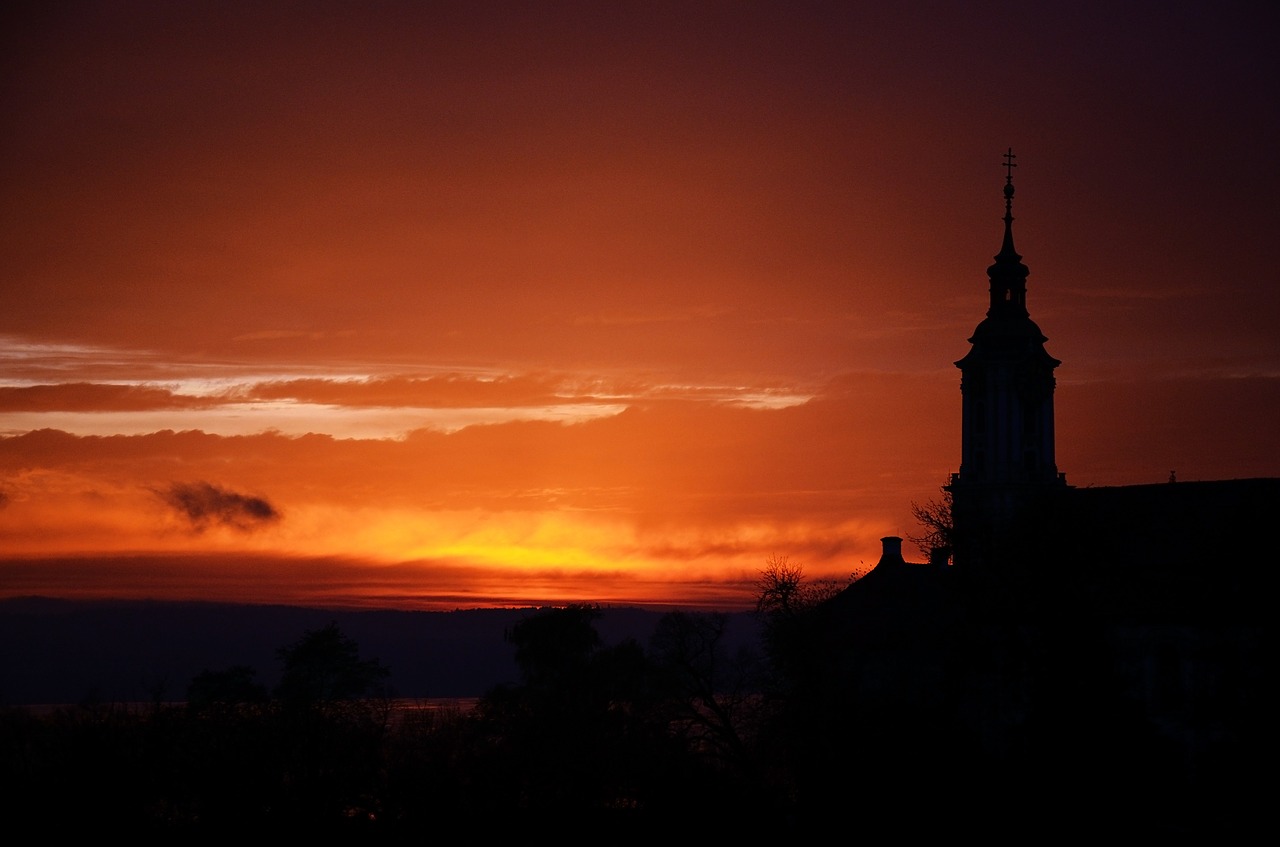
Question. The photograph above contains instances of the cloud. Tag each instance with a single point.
(95, 397)
(452, 391)
(205, 504)
(510, 391)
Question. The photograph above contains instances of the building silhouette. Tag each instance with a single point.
(1105, 649)
(1007, 455)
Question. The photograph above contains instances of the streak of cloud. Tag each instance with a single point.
(454, 390)
(95, 397)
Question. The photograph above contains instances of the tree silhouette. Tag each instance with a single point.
(787, 604)
(324, 666)
(554, 646)
(711, 692)
(232, 687)
(588, 731)
(938, 529)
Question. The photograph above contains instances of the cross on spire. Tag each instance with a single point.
(1008, 185)
(1009, 165)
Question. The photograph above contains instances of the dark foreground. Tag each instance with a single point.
(676, 739)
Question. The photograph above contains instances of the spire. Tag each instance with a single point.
(1006, 249)
(1008, 275)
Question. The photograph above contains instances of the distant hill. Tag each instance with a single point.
(58, 651)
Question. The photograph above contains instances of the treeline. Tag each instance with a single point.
(627, 737)
(625, 743)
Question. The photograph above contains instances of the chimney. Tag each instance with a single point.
(891, 554)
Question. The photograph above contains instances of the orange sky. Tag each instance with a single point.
(438, 305)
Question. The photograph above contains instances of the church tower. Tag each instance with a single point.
(1006, 385)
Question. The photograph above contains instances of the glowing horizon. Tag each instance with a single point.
(419, 304)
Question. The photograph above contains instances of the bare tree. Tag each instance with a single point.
(937, 522)
(784, 591)
(712, 690)
(780, 587)
(789, 609)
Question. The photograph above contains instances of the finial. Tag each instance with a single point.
(1009, 165)
(1006, 249)
(1008, 180)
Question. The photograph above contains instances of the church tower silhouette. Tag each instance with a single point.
(1007, 430)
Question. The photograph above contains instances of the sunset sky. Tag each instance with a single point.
(445, 305)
